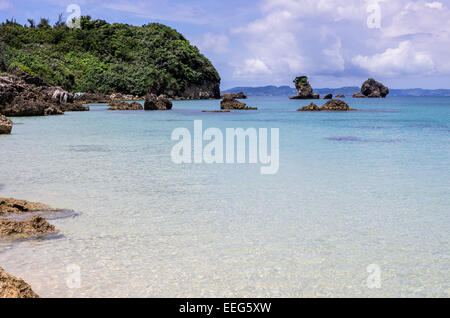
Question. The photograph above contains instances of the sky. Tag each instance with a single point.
(336, 43)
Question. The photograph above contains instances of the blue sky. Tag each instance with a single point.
(403, 43)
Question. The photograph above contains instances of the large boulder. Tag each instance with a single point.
(121, 105)
(153, 102)
(372, 88)
(5, 125)
(304, 89)
(91, 98)
(14, 287)
(331, 105)
(229, 102)
(328, 96)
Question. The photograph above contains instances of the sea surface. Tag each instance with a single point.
(359, 190)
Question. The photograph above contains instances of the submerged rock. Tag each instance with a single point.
(153, 102)
(340, 96)
(35, 225)
(14, 287)
(10, 205)
(5, 125)
(304, 89)
(229, 102)
(332, 105)
(328, 96)
(373, 89)
(120, 105)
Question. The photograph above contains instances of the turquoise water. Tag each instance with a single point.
(353, 189)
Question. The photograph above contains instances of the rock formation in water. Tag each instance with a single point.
(239, 95)
(22, 94)
(153, 102)
(340, 96)
(121, 105)
(229, 102)
(10, 205)
(331, 105)
(304, 89)
(34, 226)
(310, 108)
(5, 125)
(328, 96)
(373, 89)
(14, 287)
(358, 95)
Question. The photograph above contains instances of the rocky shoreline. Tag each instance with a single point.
(33, 227)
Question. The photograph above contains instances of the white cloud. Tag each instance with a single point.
(435, 5)
(401, 60)
(215, 43)
(252, 67)
(331, 38)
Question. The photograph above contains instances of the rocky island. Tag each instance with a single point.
(372, 89)
(331, 105)
(230, 102)
(304, 89)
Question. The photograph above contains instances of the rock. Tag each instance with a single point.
(153, 102)
(310, 108)
(305, 91)
(75, 108)
(229, 102)
(5, 125)
(120, 105)
(358, 95)
(14, 287)
(373, 89)
(10, 205)
(91, 98)
(61, 96)
(336, 105)
(328, 96)
(35, 225)
(123, 97)
(22, 94)
(204, 90)
(331, 105)
(239, 95)
(340, 96)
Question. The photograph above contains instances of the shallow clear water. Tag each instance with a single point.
(353, 189)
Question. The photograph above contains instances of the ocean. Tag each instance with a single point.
(359, 197)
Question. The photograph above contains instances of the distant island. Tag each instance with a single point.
(347, 91)
(109, 58)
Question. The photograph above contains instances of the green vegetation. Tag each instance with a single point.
(301, 80)
(105, 58)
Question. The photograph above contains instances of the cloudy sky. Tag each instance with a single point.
(404, 43)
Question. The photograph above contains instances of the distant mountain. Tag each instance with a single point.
(347, 91)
